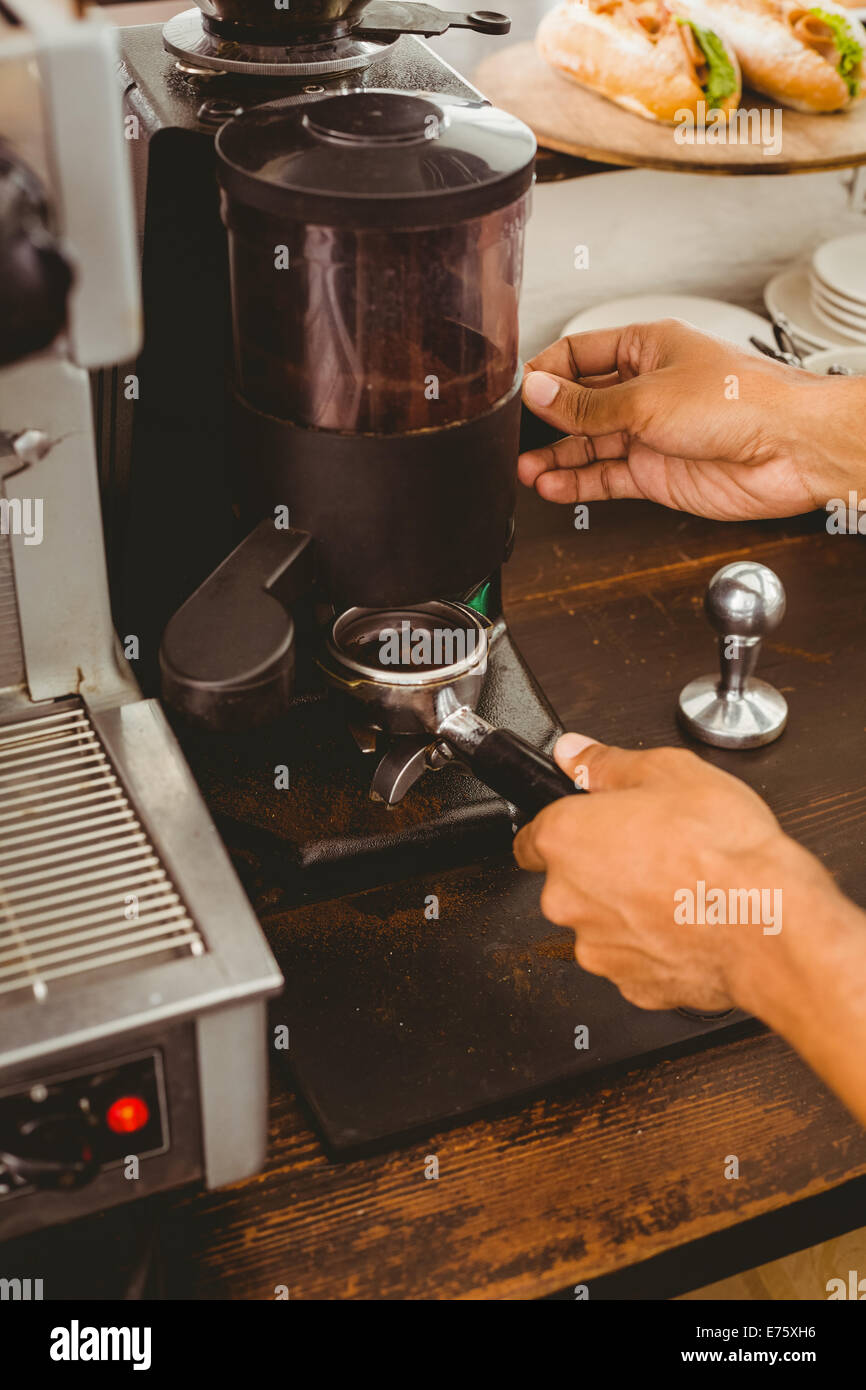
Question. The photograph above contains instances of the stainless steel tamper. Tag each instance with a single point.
(744, 602)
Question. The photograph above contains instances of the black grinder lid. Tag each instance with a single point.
(376, 158)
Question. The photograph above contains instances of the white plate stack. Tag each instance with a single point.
(837, 281)
(824, 301)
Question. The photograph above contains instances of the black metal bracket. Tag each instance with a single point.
(228, 654)
(391, 17)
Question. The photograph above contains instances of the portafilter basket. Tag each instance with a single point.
(421, 670)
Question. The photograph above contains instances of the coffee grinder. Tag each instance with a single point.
(375, 246)
(355, 379)
(165, 419)
(328, 425)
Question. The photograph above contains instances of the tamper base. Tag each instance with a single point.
(755, 716)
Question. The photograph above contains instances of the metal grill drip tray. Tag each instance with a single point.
(11, 655)
(82, 888)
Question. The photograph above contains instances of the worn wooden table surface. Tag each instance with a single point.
(620, 1184)
(574, 1187)
(628, 1175)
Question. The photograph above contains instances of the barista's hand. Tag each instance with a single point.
(663, 412)
(657, 823)
(653, 825)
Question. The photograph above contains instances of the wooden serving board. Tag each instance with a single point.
(567, 117)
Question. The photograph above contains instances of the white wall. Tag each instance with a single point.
(690, 233)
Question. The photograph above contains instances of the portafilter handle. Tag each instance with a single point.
(506, 762)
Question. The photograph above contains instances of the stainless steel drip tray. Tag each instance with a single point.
(81, 886)
(108, 863)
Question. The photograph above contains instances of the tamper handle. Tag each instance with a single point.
(744, 602)
(738, 657)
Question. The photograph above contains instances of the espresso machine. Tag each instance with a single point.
(133, 973)
(317, 449)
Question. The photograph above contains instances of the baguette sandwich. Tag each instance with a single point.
(642, 55)
(807, 57)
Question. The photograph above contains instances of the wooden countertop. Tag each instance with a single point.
(619, 1184)
(554, 1194)
(581, 1186)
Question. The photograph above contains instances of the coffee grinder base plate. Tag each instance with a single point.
(185, 36)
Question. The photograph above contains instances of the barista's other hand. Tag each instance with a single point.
(664, 412)
(654, 824)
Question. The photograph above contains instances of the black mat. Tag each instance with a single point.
(398, 1020)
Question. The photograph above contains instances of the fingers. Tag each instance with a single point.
(585, 410)
(570, 452)
(626, 351)
(607, 481)
(598, 767)
(580, 354)
(600, 382)
(526, 851)
(594, 767)
(569, 749)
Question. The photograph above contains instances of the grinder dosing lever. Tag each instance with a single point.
(419, 671)
(228, 655)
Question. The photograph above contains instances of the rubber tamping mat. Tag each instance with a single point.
(400, 1019)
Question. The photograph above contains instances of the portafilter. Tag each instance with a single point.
(421, 670)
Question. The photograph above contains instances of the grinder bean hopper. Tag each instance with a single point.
(375, 244)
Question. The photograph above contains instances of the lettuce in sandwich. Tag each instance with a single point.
(721, 79)
(850, 51)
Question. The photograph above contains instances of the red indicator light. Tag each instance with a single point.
(127, 1114)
